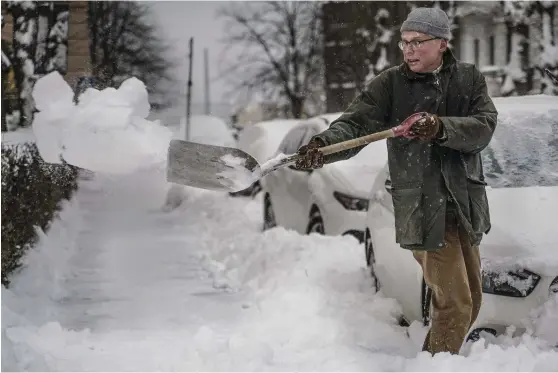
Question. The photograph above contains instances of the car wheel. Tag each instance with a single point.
(475, 335)
(370, 258)
(316, 224)
(426, 303)
(269, 214)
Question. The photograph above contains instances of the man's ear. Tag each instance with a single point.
(443, 45)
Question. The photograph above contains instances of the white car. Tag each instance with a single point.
(519, 254)
(261, 140)
(332, 200)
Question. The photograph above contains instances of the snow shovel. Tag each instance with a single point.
(228, 169)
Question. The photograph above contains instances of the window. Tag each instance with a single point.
(312, 130)
(293, 140)
(520, 156)
(476, 47)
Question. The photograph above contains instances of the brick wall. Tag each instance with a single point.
(8, 29)
(79, 61)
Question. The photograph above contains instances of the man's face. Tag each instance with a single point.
(426, 55)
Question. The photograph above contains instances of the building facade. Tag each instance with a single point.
(360, 40)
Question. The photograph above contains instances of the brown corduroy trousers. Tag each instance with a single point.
(454, 275)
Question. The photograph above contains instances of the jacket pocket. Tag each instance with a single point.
(478, 204)
(408, 214)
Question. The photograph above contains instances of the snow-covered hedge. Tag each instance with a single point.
(31, 193)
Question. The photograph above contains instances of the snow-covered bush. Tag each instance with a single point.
(31, 193)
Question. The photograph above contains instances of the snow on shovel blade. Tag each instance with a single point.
(210, 167)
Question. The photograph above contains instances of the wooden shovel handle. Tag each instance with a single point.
(353, 143)
(402, 129)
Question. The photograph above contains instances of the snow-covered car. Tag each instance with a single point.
(261, 141)
(332, 200)
(520, 261)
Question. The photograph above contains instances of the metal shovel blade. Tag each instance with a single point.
(210, 167)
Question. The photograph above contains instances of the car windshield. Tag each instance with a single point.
(524, 150)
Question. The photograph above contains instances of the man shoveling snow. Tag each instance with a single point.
(438, 189)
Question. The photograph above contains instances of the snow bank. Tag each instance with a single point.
(276, 301)
(30, 302)
(105, 132)
(316, 309)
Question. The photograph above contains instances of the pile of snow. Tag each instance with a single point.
(105, 132)
(31, 300)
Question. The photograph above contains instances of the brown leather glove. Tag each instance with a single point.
(311, 156)
(427, 128)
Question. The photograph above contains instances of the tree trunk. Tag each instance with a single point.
(548, 58)
(25, 36)
(297, 106)
(58, 39)
(44, 20)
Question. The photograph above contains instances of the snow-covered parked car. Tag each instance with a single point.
(261, 141)
(332, 200)
(519, 254)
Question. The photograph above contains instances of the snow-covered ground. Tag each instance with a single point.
(119, 283)
(130, 279)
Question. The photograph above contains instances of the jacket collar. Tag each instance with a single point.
(448, 62)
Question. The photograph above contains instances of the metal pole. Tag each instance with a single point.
(206, 71)
(189, 91)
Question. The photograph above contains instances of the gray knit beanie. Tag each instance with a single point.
(430, 21)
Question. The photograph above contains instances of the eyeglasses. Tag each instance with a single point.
(414, 44)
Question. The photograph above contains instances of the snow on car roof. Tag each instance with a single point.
(262, 139)
(524, 149)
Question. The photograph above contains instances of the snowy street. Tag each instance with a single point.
(122, 284)
(279, 186)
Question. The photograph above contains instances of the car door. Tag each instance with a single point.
(298, 186)
(399, 274)
(281, 183)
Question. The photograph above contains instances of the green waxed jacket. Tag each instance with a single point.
(426, 175)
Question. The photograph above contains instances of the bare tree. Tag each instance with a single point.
(124, 43)
(282, 52)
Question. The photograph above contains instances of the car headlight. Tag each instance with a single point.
(510, 284)
(553, 288)
(350, 202)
